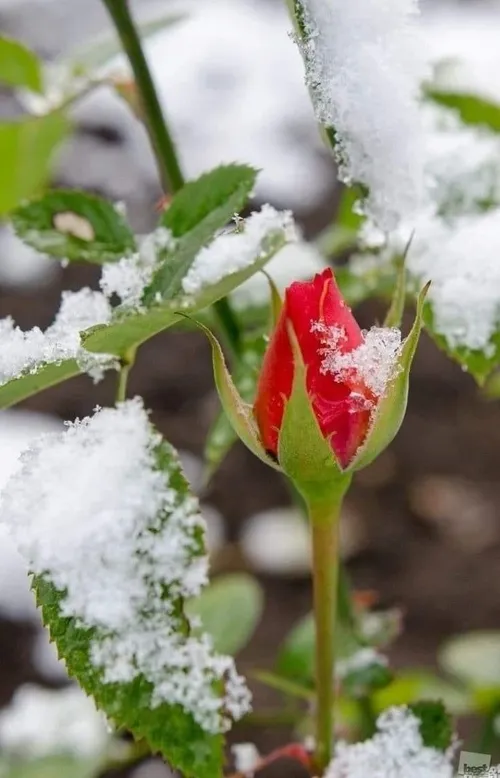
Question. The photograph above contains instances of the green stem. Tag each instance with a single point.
(126, 365)
(229, 325)
(160, 136)
(161, 140)
(367, 717)
(325, 543)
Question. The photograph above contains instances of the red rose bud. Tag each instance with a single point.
(356, 382)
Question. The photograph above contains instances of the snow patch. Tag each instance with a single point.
(129, 277)
(233, 251)
(374, 362)
(397, 749)
(41, 723)
(26, 352)
(92, 512)
(364, 68)
(362, 659)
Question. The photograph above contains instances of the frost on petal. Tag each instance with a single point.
(103, 513)
(396, 750)
(364, 67)
(129, 277)
(374, 362)
(233, 251)
(40, 723)
(26, 352)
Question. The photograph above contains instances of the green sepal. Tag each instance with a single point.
(394, 315)
(304, 454)
(239, 413)
(391, 409)
(276, 301)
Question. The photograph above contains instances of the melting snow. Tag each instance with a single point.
(364, 68)
(91, 511)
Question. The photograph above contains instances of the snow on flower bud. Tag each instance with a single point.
(352, 377)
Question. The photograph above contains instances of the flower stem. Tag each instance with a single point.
(161, 140)
(126, 365)
(325, 522)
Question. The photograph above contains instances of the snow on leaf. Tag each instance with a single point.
(116, 544)
(24, 353)
(397, 749)
(363, 68)
(236, 250)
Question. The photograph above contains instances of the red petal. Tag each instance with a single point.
(341, 419)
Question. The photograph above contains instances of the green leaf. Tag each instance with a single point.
(74, 225)
(474, 658)
(472, 109)
(364, 681)
(26, 150)
(284, 685)
(196, 213)
(413, 685)
(239, 413)
(49, 767)
(480, 364)
(222, 436)
(129, 329)
(168, 729)
(229, 609)
(19, 389)
(19, 66)
(394, 315)
(436, 726)
(296, 658)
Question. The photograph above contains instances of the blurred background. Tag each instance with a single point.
(421, 527)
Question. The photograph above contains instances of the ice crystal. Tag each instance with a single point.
(374, 362)
(92, 511)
